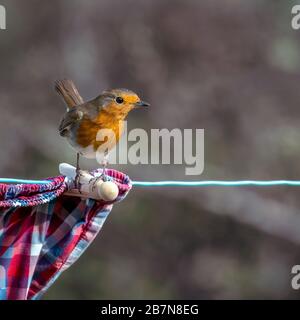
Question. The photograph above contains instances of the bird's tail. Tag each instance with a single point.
(68, 91)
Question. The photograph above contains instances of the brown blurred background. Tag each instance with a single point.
(232, 68)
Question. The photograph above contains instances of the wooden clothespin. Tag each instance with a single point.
(90, 186)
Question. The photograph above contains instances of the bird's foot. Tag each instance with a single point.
(77, 184)
(104, 165)
(103, 177)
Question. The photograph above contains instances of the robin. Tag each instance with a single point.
(83, 121)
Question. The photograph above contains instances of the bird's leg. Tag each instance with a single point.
(104, 165)
(103, 174)
(77, 177)
(77, 162)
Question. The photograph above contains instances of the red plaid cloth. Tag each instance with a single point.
(43, 232)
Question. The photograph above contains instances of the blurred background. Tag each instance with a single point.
(232, 69)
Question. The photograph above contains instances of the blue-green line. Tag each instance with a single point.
(208, 183)
(174, 183)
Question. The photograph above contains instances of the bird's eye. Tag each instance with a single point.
(119, 100)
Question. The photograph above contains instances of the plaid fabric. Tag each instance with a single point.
(42, 233)
(29, 195)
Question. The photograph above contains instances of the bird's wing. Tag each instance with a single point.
(69, 119)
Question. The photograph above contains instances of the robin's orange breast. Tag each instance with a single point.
(88, 131)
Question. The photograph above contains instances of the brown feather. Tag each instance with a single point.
(68, 91)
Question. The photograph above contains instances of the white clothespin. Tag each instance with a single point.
(90, 186)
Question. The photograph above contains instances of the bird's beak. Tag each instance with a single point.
(141, 104)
